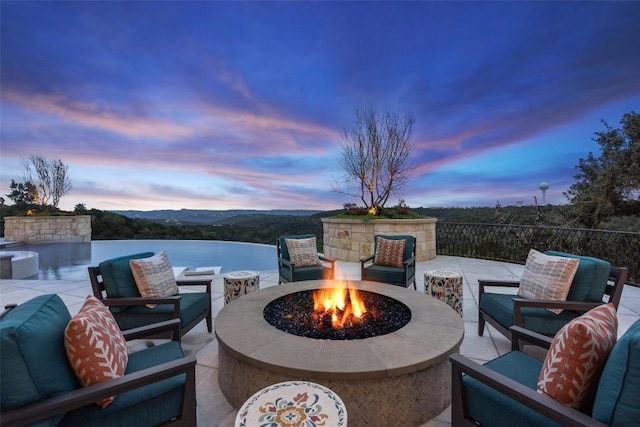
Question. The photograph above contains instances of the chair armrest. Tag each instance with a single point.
(409, 261)
(285, 262)
(207, 284)
(520, 335)
(512, 389)
(327, 259)
(367, 259)
(173, 300)
(89, 395)
(172, 325)
(500, 283)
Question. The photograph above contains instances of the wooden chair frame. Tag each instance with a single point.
(99, 291)
(89, 395)
(615, 284)
(539, 402)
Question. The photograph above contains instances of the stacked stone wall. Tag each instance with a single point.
(352, 239)
(47, 228)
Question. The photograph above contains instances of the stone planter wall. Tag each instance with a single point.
(352, 239)
(47, 228)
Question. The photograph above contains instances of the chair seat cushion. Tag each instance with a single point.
(386, 274)
(154, 404)
(491, 408)
(33, 362)
(192, 305)
(315, 272)
(617, 397)
(590, 280)
(118, 277)
(500, 307)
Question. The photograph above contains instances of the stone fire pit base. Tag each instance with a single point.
(407, 400)
(399, 379)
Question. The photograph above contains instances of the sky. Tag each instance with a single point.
(241, 105)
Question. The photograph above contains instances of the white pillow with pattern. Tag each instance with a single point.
(154, 276)
(303, 252)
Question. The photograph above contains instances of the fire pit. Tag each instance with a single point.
(398, 378)
(337, 314)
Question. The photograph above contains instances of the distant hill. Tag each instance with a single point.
(195, 216)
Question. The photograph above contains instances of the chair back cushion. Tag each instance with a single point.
(547, 277)
(95, 346)
(303, 252)
(33, 362)
(284, 251)
(617, 398)
(577, 355)
(408, 247)
(590, 280)
(118, 277)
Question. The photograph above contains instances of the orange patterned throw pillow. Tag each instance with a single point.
(389, 252)
(577, 356)
(95, 346)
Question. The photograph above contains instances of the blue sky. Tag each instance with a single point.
(224, 105)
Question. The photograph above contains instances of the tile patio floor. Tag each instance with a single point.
(214, 410)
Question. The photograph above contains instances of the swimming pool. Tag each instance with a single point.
(69, 260)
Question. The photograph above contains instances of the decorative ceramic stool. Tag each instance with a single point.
(293, 403)
(238, 283)
(445, 285)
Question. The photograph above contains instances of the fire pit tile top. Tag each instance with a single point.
(434, 332)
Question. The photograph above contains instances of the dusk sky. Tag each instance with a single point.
(240, 105)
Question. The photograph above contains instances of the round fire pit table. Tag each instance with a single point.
(293, 403)
(238, 283)
(402, 378)
(445, 285)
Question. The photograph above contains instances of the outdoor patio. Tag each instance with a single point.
(214, 410)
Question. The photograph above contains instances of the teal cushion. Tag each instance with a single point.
(33, 361)
(310, 272)
(283, 244)
(408, 247)
(386, 274)
(617, 397)
(590, 280)
(540, 320)
(151, 405)
(118, 278)
(192, 305)
(492, 408)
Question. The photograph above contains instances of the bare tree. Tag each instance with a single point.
(50, 178)
(375, 156)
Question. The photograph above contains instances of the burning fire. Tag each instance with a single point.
(338, 307)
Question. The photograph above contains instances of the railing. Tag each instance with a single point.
(511, 243)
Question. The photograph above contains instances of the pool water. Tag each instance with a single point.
(70, 260)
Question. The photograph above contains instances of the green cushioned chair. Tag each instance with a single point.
(113, 284)
(595, 282)
(502, 392)
(289, 272)
(400, 276)
(38, 386)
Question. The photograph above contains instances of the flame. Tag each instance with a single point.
(334, 302)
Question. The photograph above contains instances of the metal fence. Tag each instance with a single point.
(511, 243)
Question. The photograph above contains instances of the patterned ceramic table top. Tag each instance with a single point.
(241, 274)
(442, 273)
(293, 404)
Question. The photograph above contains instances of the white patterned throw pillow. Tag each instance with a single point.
(154, 276)
(547, 277)
(303, 252)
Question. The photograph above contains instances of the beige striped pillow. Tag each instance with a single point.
(154, 276)
(303, 252)
(547, 277)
